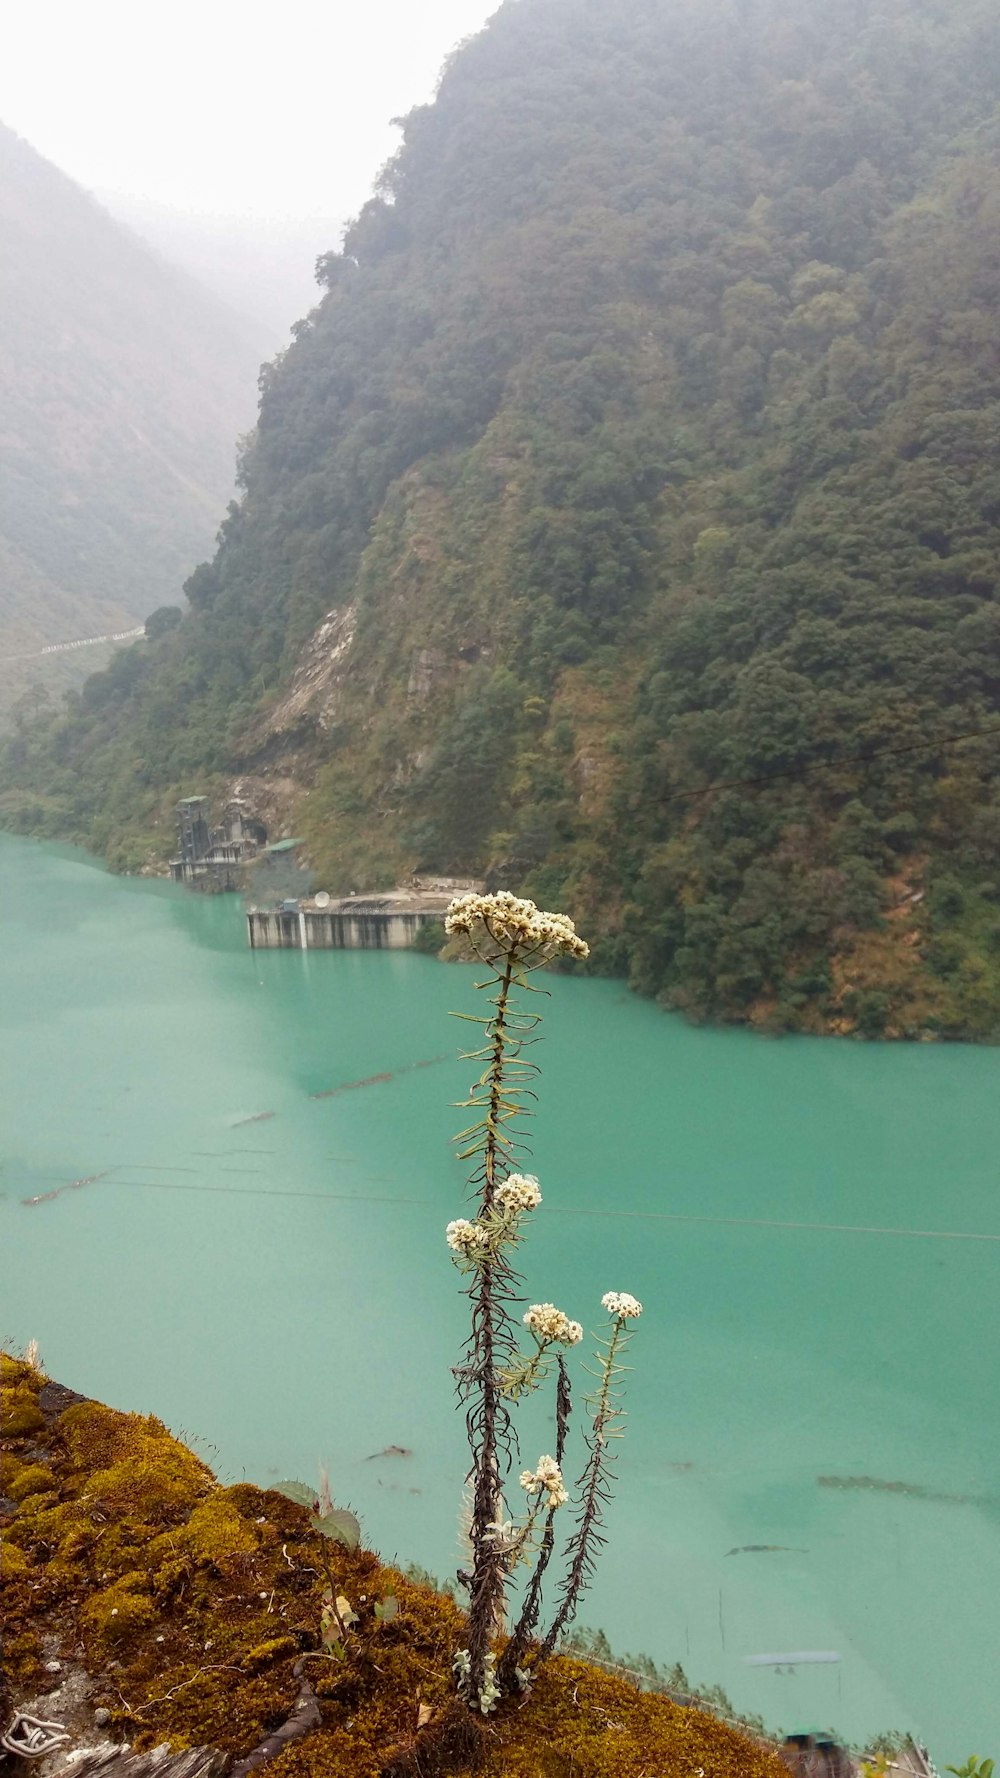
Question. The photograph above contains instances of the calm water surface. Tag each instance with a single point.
(265, 1269)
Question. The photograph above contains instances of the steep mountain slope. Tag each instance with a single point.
(123, 387)
(642, 448)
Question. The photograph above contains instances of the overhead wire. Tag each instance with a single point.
(764, 1222)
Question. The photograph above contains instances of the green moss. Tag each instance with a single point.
(13, 1562)
(150, 1486)
(22, 1658)
(34, 1478)
(38, 1520)
(20, 1414)
(17, 1371)
(195, 1603)
(266, 1653)
(10, 1469)
(134, 1465)
(216, 1531)
(102, 1440)
(114, 1617)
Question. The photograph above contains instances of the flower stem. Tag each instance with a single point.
(525, 1626)
(588, 1537)
(488, 1419)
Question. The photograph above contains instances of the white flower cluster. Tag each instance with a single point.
(548, 1475)
(549, 1324)
(519, 1192)
(465, 1237)
(489, 1697)
(618, 1302)
(512, 921)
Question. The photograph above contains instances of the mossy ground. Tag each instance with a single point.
(189, 1604)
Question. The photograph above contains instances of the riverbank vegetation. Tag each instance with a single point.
(623, 523)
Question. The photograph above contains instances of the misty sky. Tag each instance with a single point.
(225, 107)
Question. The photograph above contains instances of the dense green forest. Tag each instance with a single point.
(123, 387)
(624, 523)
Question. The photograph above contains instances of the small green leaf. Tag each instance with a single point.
(300, 1492)
(386, 1609)
(339, 1525)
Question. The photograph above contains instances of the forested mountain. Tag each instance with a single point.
(123, 387)
(624, 523)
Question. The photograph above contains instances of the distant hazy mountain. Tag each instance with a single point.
(263, 267)
(123, 389)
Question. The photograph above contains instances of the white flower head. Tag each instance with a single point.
(519, 1192)
(514, 923)
(547, 1477)
(549, 1325)
(465, 1237)
(620, 1304)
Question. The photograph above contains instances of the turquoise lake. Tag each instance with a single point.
(812, 1225)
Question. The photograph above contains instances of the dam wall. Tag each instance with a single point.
(387, 928)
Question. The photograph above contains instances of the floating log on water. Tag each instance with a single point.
(374, 1080)
(915, 1490)
(71, 1185)
(751, 1549)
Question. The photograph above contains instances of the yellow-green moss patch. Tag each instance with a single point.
(32, 1478)
(20, 1414)
(215, 1530)
(13, 1562)
(195, 1604)
(17, 1371)
(116, 1616)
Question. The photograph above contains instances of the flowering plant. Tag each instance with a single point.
(514, 938)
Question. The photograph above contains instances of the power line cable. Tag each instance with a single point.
(757, 1222)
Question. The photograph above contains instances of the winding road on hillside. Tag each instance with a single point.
(36, 654)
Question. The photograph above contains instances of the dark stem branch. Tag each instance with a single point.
(525, 1626)
(588, 1537)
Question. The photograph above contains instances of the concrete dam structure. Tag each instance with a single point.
(355, 923)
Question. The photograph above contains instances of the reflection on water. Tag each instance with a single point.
(258, 1257)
